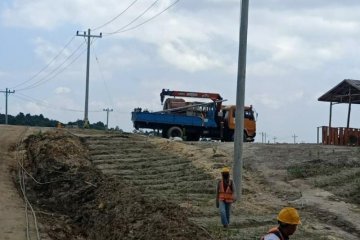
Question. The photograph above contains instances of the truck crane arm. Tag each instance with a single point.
(167, 92)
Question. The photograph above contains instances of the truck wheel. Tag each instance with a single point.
(175, 132)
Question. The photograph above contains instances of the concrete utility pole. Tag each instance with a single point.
(7, 92)
(88, 35)
(240, 99)
(263, 137)
(107, 110)
(294, 136)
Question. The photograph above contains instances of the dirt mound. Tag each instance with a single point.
(76, 201)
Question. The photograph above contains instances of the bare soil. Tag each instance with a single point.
(12, 220)
(100, 185)
(91, 205)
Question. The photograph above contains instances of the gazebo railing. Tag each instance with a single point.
(340, 136)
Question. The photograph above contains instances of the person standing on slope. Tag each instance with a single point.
(288, 219)
(225, 196)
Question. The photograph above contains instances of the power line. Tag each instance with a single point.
(46, 78)
(46, 66)
(116, 17)
(46, 104)
(103, 78)
(155, 16)
(134, 20)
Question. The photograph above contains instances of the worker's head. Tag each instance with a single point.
(225, 172)
(288, 219)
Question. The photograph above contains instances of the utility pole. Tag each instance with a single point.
(107, 110)
(240, 99)
(294, 136)
(265, 137)
(88, 36)
(7, 92)
(274, 139)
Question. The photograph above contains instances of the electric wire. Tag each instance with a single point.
(103, 78)
(44, 80)
(47, 65)
(116, 17)
(148, 20)
(21, 183)
(53, 72)
(23, 190)
(134, 20)
(47, 105)
(44, 104)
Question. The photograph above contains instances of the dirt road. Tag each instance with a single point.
(12, 221)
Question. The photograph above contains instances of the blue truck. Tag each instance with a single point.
(194, 120)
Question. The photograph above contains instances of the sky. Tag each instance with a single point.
(297, 50)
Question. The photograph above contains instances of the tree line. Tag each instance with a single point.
(41, 121)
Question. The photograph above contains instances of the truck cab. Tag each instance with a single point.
(249, 122)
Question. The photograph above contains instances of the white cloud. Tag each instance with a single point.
(62, 90)
(49, 14)
(34, 108)
(118, 56)
(265, 69)
(3, 74)
(187, 59)
(279, 100)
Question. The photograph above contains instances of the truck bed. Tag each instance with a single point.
(157, 120)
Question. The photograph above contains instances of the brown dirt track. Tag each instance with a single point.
(125, 186)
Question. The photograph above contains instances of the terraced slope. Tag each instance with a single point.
(159, 172)
(133, 158)
(175, 172)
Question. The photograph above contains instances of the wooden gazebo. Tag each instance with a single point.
(348, 91)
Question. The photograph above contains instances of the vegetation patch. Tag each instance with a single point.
(319, 167)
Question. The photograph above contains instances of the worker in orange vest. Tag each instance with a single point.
(288, 219)
(225, 196)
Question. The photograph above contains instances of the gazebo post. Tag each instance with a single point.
(349, 109)
(328, 131)
(330, 115)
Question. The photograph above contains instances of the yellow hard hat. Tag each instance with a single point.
(289, 215)
(225, 170)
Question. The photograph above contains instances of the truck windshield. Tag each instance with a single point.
(247, 114)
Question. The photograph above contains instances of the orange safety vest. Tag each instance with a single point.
(277, 232)
(225, 195)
